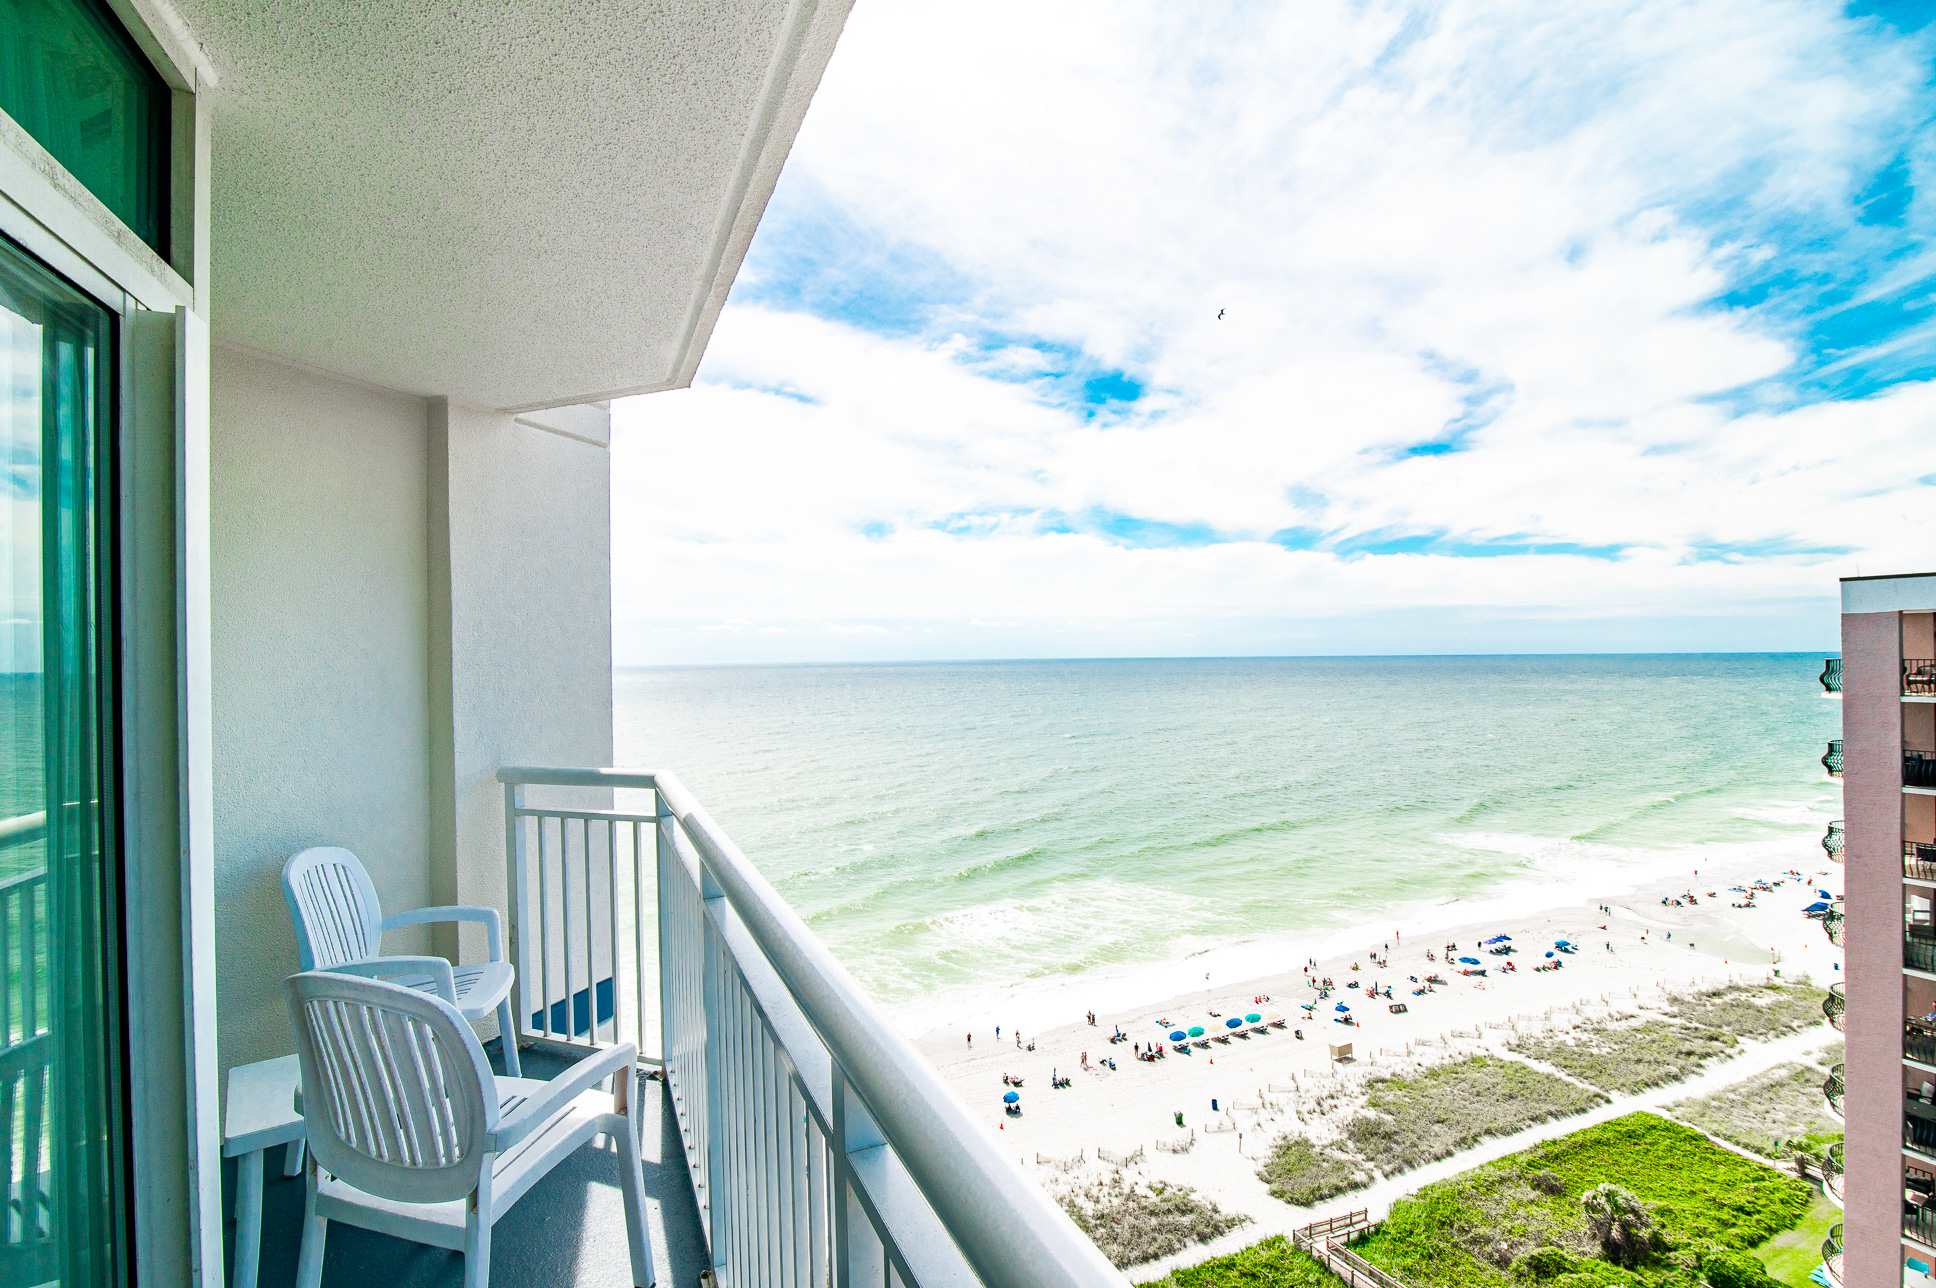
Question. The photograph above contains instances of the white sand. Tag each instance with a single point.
(1133, 1107)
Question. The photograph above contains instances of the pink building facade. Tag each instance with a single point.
(1888, 769)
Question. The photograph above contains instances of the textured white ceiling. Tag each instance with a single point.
(516, 204)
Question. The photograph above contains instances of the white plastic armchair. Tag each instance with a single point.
(339, 920)
(411, 1135)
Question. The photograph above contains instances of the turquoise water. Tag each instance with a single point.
(1007, 826)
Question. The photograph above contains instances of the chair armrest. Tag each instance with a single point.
(430, 974)
(486, 917)
(561, 1090)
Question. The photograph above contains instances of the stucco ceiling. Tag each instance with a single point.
(516, 204)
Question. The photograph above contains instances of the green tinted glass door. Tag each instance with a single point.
(61, 1152)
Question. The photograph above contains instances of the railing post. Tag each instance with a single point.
(714, 983)
(854, 1130)
(518, 906)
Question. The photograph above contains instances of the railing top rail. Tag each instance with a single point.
(544, 776)
(22, 829)
(1009, 1230)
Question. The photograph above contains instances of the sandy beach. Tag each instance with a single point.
(1631, 948)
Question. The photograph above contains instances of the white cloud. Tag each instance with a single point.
(1409, 215)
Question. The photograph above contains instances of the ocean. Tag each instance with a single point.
(967, 837)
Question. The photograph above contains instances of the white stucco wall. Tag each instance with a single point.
(521, 624)
(321, 618)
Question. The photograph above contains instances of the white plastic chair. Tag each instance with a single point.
(338, 920)
(411, 1135)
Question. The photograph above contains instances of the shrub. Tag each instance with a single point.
(1274, 1263)
(1621, 1223)
(1728, 1268)
(1133, 1223)
(1301, 1172)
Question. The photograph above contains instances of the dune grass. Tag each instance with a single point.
(1633, 1054)
(1274, 1263)
(1301, 1172)
(1133, 1222)
(1521, 1220)
(1414, 1119)
(1778, 1113)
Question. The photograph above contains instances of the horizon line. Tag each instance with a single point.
(1223, 657)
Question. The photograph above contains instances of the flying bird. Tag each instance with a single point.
(1219, 315)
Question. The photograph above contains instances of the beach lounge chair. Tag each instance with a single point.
(1259, 1028)
(1278, 1022)
(1398, 1008)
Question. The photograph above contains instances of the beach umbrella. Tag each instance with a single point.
(1011, 1097)
(1196, 1030)
(1561, 943)
(1549, 952)
(1178, 1036)
(1817, 906)
(1309, 1006)
(1469, 961)
(1823, 894)
(1505, 939)
(1233, 1023)
(1340, 1007)
(1495, 939)
(1253, 1018)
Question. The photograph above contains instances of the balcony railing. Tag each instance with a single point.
(1919, 676)
(1832, 1090)
(1832, 923)
(1835, 1004)
(1918, 769)
(1919, 1132)
(1919, 860)
(1832, 1171)
(26, 1050)
(1832, 1253)
(1919, 1041)
(818, 1143)
(1832, 675)
(1832, 758)
(1832, 841)
(1919, 949)
(1918, 1196)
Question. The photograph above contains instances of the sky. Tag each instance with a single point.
(1149, 329)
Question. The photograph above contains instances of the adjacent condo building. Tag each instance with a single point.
(1886, 1090)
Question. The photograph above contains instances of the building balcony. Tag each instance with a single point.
(1832, 1172)
(1918, 769)
(1835, 1004)
(1832, 1090)
(1832, 758)
(1919, 949)
(1919, 677)
(1919, 860)
(1919, 1041)
(1919, 1204)
(1832, 923)
(1832, 841)
(1831, 676)
(1832, 1253)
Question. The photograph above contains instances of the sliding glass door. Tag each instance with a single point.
(62, 1184)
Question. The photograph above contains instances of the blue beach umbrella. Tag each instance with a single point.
(1561, 943)
(1178, 1036)
(1011, 1097)
(1469, 961)
(1495, 939)
(1549, 952)
(1196, 1030)
(1817, 906)
(1340, 1007)
(1233, 1023)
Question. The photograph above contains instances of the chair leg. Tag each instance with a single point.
(508, 1035)
(248, 1219)
(292, 1158)
(477, 1246)
(309, 1266)
(632, 1183)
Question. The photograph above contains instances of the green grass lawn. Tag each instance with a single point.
(1791, 1256)
(1274, 1263)
(1520, 1220)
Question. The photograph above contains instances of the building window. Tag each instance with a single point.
(72, 77)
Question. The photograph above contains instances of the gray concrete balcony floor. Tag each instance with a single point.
(568, 1232)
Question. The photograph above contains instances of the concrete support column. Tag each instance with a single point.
(520, 637)
(1872, 813)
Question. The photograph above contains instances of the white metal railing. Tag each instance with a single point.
(26, 1046)
(822, 1149)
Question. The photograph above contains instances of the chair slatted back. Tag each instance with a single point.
(334, 906)
(397, 1097)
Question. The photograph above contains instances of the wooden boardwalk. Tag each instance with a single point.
(1328, 1240)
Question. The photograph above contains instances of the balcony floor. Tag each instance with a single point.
(568, 1231)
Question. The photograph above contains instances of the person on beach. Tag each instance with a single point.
(971, 1039)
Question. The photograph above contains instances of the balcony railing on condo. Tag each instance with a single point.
(1832, 1090)
(1918, 769)
(1919, 860)
(1832, 841)
(1832, 1171)
(1918, 1194)
(26, 1044)
(1919, 949)
(1832, 675)
(1832, 758)
(1919, 1041)
(1919, 676)
(1835, 1004)
(1832, 1253)
(1832, 922)
(1918, 1131)
(819, 1144)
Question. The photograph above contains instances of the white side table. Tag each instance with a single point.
(260, 1113)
